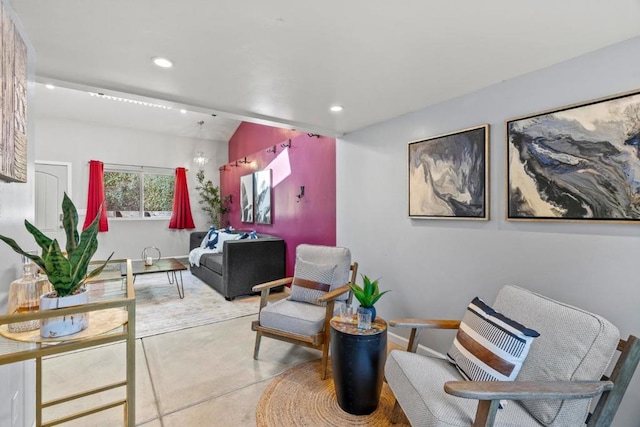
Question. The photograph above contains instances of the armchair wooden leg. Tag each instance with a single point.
(256, 349)
(398, 414)
(325, 360)
(486, 413)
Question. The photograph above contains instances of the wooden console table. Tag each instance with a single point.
(357, 362)
(112, 314)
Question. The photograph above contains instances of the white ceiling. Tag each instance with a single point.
(67, 103)
(287, 61)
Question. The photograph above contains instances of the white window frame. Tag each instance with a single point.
(141, 171)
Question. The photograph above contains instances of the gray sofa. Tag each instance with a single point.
(241, 265)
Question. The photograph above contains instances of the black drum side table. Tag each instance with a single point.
(357, 361)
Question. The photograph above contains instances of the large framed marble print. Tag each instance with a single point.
(449, 175)
(576, 163)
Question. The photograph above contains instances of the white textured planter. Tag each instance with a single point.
(63, 325)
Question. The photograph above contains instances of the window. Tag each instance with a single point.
(132, 192)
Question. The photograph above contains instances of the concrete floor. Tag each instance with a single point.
(202, 376)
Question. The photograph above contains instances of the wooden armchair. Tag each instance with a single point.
(560, 376)
(300, 322)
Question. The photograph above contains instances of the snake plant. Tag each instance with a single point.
(66, 272)
(369, 294)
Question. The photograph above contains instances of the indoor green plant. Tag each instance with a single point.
(213, 203)
(66, 272)
(367, 295)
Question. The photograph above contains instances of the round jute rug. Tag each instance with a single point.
(298, 397)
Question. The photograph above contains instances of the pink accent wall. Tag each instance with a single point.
(251, 137)
(310, 161)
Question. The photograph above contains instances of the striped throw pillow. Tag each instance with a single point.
(311, 281)
(489, 346)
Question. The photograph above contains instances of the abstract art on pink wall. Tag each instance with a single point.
(13, 83)
(262, 197)
(246, 198)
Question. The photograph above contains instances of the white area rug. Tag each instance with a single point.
(159, 309)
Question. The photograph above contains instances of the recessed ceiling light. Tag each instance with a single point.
(336, 108)
(49, 86)
(183, 111)
(162, 62)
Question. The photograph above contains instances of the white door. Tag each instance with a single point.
(53, 179)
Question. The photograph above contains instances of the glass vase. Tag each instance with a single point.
(24, 296)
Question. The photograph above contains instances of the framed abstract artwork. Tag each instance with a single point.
(262, 200)
(449, 175)
(576, 163)
(13, 96)
(246, 198)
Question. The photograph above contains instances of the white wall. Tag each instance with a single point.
(435, 268)
(78, 142)
(16, 205)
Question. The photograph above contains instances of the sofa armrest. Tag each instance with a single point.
(246, 263)
(195, 239)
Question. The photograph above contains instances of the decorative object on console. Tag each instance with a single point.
(578, 162)
(246, 198)
(13, 144)
(449, 175)
(262, 194)
(147, 255)
(24, 295)
(213, 203)
(67, 274)
(367, 295)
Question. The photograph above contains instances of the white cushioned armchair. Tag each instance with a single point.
(304, 317)
(558, 379)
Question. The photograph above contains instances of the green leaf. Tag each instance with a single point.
(86, 248)
(377, 297)
(93, 273)
(13, 245)
(58, 270)
(70, 223)
(43, 241)
(369, 294)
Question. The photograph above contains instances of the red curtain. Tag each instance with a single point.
(181, 214)
(96, 196)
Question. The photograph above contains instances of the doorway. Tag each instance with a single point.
(53, 179)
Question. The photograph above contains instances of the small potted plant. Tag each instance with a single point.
(367, 295)
(67, 273)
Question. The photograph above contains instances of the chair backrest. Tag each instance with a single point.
(574, 345)
(329, 255)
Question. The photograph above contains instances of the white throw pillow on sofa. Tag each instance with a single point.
(222, 237)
